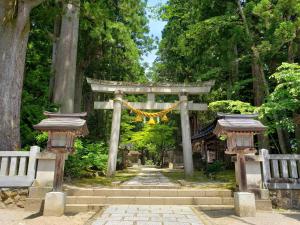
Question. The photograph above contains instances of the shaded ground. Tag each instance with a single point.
(224, 179)
(153, 176)
(17, 216)
(121, 176)
(225, 217)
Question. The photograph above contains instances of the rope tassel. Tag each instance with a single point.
(151, 121)
(140, 115)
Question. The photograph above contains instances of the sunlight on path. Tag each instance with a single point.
(149, 178)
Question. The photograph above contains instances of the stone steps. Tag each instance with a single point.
(75, 208)
(149, 192)
(149, 200)
(86, 199)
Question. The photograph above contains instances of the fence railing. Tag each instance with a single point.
(18, 168)
(280, 171)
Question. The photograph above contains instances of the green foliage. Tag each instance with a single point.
(157, 137)
(41, 139)
(230, 106)
(89, 158)
(149, 162)
(284, 102)
(212, 169)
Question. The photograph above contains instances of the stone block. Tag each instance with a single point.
(264, 194)
(208, 201)
(54, 204)
(39, 192)
(244, 204)
(45, 171)
(163, 193)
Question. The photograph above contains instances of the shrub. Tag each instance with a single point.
(149, 162)
(214, 168)
(89, 158)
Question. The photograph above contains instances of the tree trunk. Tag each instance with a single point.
(78, 87)
(66, 55)
(14, 30)
(56, 32)
(234, 72)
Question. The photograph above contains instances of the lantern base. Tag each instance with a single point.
(54, 204)
(244, 204)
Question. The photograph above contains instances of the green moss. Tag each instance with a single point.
(121, 176)
(224, 179)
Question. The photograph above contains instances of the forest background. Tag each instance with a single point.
(251, 48)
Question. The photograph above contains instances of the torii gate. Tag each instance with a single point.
(122, 88)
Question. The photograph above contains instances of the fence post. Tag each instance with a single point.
(34, 150)
(265, 166)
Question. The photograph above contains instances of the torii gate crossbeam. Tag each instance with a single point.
(121, 88)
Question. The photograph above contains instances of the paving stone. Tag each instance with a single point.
(152, 215)
(148, 223)
(119, 223)
(169, 219)
(156, 218)
(176, 223)
(99, 222)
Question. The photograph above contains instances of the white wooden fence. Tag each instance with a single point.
(280, 171)
(18, 168)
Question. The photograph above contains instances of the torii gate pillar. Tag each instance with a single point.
(115, 134)
(186, 136)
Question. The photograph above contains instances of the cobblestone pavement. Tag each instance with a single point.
(148, 215)
(149, 177)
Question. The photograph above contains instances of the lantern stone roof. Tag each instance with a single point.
(238, 123)
(63, 123)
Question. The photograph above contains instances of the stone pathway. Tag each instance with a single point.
(148, 215)
(149, 178)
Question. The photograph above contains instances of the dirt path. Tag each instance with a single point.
(16, 216)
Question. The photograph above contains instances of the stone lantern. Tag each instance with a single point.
(62, 130)
(239, 131)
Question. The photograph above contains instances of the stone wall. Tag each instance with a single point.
(286, 199)
(11, 197)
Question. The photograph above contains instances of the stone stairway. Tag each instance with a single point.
(149, 187)
(82, 199)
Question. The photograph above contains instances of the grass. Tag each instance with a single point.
(120, 176)
(224, 179)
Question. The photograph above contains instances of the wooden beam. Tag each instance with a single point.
(139, 88)
(151, 105)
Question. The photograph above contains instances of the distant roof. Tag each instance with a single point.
(208, 131)
(64, 122)
(134, 153)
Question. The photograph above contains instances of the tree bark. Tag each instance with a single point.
(234, 71)
(56, 32)
(78, 93)
(66, 55)
(14, 30)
